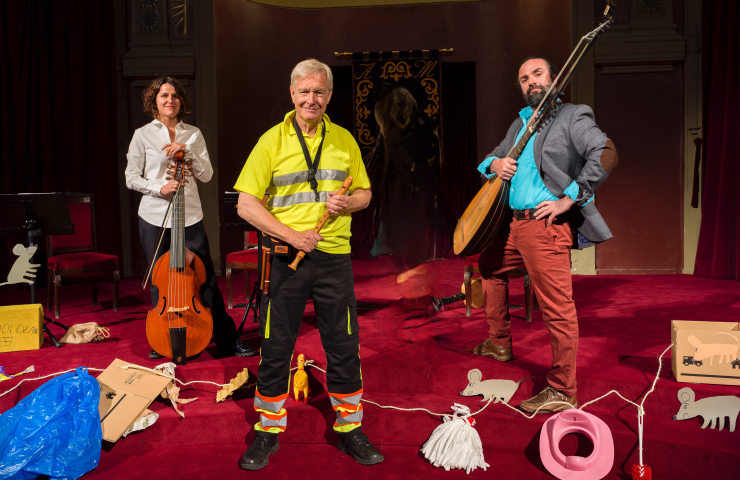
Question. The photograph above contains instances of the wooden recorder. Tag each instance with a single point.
(321, 223)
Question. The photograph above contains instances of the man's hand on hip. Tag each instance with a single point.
(306, 240)
(504, 168)
(552, 209)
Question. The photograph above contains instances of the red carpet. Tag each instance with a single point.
(411, 359)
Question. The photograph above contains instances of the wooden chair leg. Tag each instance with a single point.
(468, 290)
(528, 297)
(246, 287)
(229, 288)
(57, 285)
(95, 290)
(116, 278)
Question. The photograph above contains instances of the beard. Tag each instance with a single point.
(534, 99)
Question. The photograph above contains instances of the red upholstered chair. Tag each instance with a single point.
(471, 267)
(77, 255)
(244, 260)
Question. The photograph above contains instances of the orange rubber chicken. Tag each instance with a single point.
(300, 380)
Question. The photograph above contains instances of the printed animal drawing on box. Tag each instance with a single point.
(708, 351)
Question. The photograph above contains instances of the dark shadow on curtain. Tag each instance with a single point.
(58, 108)
(459, 180)
(718, 252)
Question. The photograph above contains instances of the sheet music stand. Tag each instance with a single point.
(36, 214)
(236, 223)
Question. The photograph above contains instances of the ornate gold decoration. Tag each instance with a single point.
(364, 136)
(183, 7)
(651, 8)
(425, 68)
(396, 70)
(149, 17)
(431, 88)
(444, 52)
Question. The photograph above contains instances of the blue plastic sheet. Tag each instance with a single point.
(54, 431)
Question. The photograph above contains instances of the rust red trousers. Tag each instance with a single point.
(545, 252)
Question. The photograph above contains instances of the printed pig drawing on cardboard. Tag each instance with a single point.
(709, 351)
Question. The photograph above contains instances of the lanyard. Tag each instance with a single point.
(311, 166)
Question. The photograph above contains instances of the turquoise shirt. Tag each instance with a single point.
(527, 188)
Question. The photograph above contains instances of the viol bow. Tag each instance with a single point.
(489, 210)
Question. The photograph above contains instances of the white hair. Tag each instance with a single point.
(311, 67)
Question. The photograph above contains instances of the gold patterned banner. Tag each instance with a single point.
(376, 75)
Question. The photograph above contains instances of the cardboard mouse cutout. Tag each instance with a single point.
(22, 266)
(501, 390)
(711, 409)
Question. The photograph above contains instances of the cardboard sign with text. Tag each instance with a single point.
(124, 395)
(706, 352)
(21, 327)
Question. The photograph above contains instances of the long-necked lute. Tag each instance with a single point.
(489, 210)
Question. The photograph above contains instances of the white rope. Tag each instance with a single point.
(640, 409)
(125, 367)
(310, 363)
(46, 376)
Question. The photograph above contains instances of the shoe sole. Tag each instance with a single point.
(359, 460)
(248, 354)
(257, 466)
(543, 410)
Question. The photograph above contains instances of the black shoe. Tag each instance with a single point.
(241, 350)
(360, 448)
(258, 453)
(155, 356)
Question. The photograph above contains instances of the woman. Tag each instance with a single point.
(150, 172)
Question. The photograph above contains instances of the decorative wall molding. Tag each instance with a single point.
(151, 52)
(315, 4)
(650, 43)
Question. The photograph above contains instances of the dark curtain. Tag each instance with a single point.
(718, 252)
(460, 180)
(58, 108)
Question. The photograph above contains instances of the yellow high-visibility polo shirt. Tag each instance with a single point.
(277, 165)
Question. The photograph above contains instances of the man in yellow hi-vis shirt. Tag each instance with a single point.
(301, 163)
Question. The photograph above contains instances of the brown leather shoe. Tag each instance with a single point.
(546, 396)
(488, 349)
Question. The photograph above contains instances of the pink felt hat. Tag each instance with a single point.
(593, 467)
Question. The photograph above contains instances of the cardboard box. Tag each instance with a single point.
(706, 352)
(21, 327)
(124, 395)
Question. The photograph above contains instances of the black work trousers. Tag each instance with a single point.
(224, 330)
(327, 278)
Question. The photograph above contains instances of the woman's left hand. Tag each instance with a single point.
(172, 148)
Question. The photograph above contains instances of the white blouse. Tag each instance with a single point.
(147, 169)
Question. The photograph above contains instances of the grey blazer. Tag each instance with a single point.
(570, 147)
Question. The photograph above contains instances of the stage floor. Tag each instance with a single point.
(411, 358)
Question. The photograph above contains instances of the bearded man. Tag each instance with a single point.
(552, 192)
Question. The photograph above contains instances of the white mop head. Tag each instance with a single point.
(455, 443)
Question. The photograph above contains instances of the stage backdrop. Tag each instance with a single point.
(397, 118)
(416, 71)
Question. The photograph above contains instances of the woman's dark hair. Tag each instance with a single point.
(550, 65)
(149, 97)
